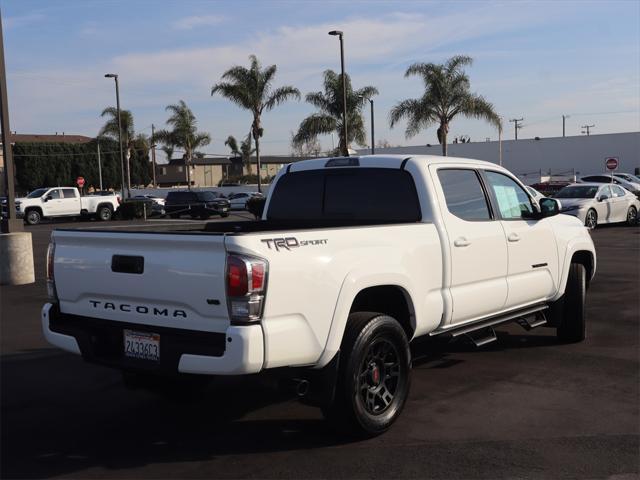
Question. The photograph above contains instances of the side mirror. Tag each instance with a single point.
(48, 197)
(602, 198)
(549, 207)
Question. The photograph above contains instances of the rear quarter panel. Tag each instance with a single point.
(311, 286)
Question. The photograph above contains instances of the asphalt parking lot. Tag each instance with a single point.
(523, 407)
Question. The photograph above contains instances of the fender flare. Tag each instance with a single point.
(351, 286)
(574, 246)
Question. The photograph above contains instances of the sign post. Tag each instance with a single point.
(612, 164)
(80, 182)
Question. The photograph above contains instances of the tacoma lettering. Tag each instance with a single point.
(142, 309)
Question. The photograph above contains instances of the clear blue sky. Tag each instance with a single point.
(537, 60)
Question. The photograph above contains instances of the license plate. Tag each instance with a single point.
(142, 345)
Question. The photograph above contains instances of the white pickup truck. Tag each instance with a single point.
(64, 202)
(354, 257)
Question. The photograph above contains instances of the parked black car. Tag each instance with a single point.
(196, 204)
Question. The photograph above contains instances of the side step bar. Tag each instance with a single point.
(519, 315)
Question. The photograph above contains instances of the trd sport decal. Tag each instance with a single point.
(288, 243)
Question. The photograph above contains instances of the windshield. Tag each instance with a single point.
(37, 193)
(207, 196)
(582, 191)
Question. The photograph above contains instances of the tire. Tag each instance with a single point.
(104, 214)
(632, 216)
(32, 217)
(591, 219)
(374, 375)
(572, 326)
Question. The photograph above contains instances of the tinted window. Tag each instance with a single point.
(597, 179)
(577, 191)
(374, 194)
(37, 193)
(180, 197)
(68, 193)
(617, 191)
(464, 195)
(206, 196)
(605, 191)
(513, 201)
(55, 194)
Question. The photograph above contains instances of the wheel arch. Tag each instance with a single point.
(367, 294)
(585, 258)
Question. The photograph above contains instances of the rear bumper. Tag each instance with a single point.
(238, 351)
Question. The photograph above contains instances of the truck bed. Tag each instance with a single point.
(246, 226)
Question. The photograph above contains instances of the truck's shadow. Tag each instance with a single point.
(60, 415)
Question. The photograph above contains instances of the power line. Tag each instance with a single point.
(587, 128)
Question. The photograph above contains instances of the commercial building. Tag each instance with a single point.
(209, 171)
(538, 159)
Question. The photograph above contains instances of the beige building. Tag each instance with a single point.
(209, 171)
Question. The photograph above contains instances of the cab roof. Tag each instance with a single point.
(379, 161)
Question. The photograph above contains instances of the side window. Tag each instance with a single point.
(513, 201)
(617, 191)
(605, 191)
(68, 193)
(55, 194)
(463, 194)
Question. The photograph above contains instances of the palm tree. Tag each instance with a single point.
(242, 150)
(447, 94)
(168, 150)
(183, 134)
(110, 130)
(251, 89)
(329, 118)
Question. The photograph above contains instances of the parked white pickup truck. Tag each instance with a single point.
(64, 202)
(353, 258)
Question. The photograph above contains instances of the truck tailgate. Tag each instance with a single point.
(171, 280)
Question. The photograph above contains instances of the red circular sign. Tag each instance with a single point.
(611, 163)
(80, 181)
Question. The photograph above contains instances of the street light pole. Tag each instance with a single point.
(564, 117)
(344, 92)
(153, 153)
(10, 223)
(115, 76)
(373, 139)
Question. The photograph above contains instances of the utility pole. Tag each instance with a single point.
(153, 154)
(99, 167)
(587, 129)
(516, 122)
(10, 223)
(340, 35)
(564, 117)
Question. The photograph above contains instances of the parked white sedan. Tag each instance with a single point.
(597, 203)
(238, 201)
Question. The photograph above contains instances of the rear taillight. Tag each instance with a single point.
(51, 281)
(246, 287)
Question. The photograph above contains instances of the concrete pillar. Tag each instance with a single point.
(16, 259)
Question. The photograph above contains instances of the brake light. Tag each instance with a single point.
(246, 279)
(51, 281)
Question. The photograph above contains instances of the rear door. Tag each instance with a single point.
(532, 274)
(477, 245)
(619, 201)
(70, 204)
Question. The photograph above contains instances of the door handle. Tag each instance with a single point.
(461, 242)
(513, 237)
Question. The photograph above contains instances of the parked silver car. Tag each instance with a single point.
(597, 203)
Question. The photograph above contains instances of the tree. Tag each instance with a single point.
(329, 118)
(243, 150)
(311, 148)
(110, 130)
(251, 89)
(168, 150)
(183, 134)
(447, 94)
